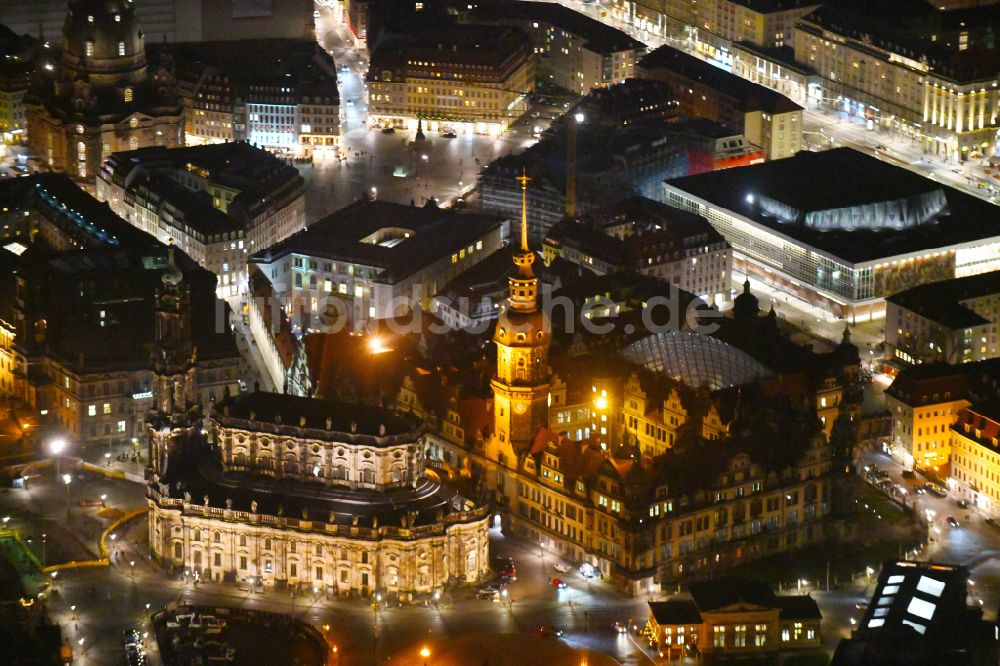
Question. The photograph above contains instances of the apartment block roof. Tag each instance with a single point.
(598, 37)
(750, 96)
(941, 302)
(417, 237)
(261, 180)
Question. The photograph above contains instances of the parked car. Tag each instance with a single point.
(937, 490)
(963, 504)
(388, 130)
(131, 637)
(952, 522)
(909, 474)
(560, 567)
(449, 135)
(489, 594)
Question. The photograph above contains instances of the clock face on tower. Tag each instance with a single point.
(520, 407)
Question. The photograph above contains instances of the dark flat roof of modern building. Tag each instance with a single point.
(751, 96)
(597, 36)
(841, 178)
(435, 233)
(59, 199)
(940, 301)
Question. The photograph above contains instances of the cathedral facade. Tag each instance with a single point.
(288, 491)
(100, 95)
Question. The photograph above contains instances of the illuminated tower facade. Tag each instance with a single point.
(174, 361)
(521, 385)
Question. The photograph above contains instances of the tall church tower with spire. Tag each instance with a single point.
(174, 361)
(523, 334)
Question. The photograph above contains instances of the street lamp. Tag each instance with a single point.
(56, 447)
(578, 119)
(425, 653)
(67, 479)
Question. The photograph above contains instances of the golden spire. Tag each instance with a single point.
(524, 179)
(523, 285)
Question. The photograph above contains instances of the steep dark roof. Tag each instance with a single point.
(750, 96)
(939, 301)
(287, 410)
(715, 594)
(836, 179)
(798, 608)
(675, 612)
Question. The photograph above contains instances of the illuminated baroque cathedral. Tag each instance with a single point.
(100, 95)
(293, 492)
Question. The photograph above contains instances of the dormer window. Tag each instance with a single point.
(118, 18)
(121, 48)
(90, 18)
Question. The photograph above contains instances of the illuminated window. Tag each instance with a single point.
(128, 94)
(106, 408)
(121, 48)
(92, 410)
(89, 49)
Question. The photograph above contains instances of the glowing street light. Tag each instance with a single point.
(56, 447)
(376, 345)
(425, 653)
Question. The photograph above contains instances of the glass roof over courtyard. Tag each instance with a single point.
(697, 360)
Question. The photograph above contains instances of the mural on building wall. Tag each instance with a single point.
(897, 276)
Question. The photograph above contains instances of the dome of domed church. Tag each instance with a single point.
(104, 42)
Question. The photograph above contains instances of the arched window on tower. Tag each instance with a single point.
(128, 94)
(133, 142)
(121, 48)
